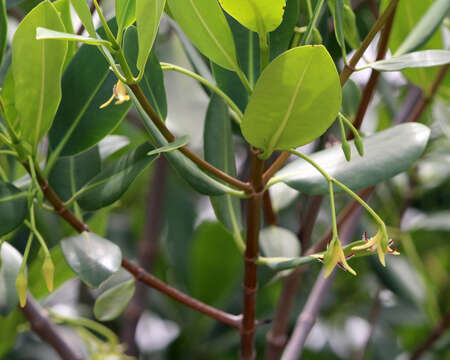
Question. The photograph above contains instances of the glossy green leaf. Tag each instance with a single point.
(345, 23)
(406, 18)
(179, 142)
(37, 66)
(425, 28)
(10, 331)
(281, 37)
(125, 14)
(204, 23)
(351, 97)
(93, 258)
(3, 29)
(261, 16)
(63, 273)
(64, 9)
(189, 171)
(338, 15)
(418, 59)
(152, 83)
(387, 154)
(148, 17)
(7, 95)
(71, 173)
(87, 83)
(82, 9)
(43, 33)
(214, 263)
(287, 108)
(219, 151)
(112, 182)
(112, 303)
(13, 207)
(278, 242)
(9, 269)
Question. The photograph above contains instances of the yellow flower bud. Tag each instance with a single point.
(21, 287)
(120, 93)
(48, 271)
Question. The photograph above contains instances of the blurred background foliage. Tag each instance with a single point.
(396, 306)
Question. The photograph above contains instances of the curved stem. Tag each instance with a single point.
(202, 80)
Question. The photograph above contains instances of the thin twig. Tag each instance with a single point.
(42, 325)
(159, 123)
(437, 332)
(428, 97)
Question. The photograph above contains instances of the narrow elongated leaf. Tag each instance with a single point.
(110, 304)
(71, 173)
(261, 16)
(418, 59)
(278, 242)
(13, 207)
(87, 83)
(37, 66)
(43, 33)
(204, 23)
(426, 27)
(219, 151)
(125, 14)
(280, 264)
(287, 108)
(152, 83)
(406, 18)
(345, 23)
(112, 182)
(339, 22)
(93, 258)
(9, 269)
(82, 9)
(387, 154)
(180, 142)
(189, 171)
(148, 17)
(3, 29)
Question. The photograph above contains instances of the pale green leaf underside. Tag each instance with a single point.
(43, 33)
(295, 100)
(179, 142)
(113, 301)
(418, 59)
(387, 154)
(261, 16)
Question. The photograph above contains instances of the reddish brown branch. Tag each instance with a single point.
(431, 339)
(271, 216)
(42, 325)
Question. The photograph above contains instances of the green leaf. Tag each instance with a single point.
(10, 331)
(406, 18)
(36, 284)
(9, 269)
(287, 108)
(71, 173)
(283, 263)
(87, 83)
(93, 258)
(82, 9)
(219, 151)
(63, 7)
(418, 59)
(278, 242)
(43, 33)
(204, 23)
(112, 182)
(37, 66)
(148, 17)
(346, 29)
(152, 83)
(425, 28)
(175, 145)
(125, 14)
(387, 154)
(351, 97)
(110, 304)
(281, 37)
(214, 263)
(3, 29)
(189, 171)
(338, 16)
(261, 16)
(13, 207)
